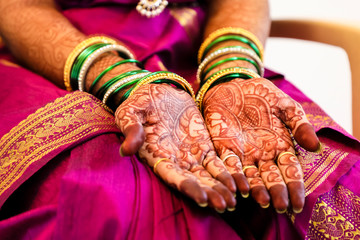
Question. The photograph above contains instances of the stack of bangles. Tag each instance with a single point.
(252, 54)
(84, 55)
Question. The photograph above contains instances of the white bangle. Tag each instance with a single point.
(86, 65)
(227, 50)
(122, 82)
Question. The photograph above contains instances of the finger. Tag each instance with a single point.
(306, 137)
(182, 180)
(257, 187)
(223, 197)
(134, 139)
(213, 164)
(234, 166)
(292, 174)
(293, 115)
(128, 121)
(275, 184)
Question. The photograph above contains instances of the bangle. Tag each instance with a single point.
(77, 50)
(216, 76)
(90, 59)
(120, 84)
(164, 75)
(249, 70)
(97, 79)
(229, 60)
(232, 37)
(226, 31)
(227, 50)
(79, 61)
(102, 90)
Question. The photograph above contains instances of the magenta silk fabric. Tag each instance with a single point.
(85, 190)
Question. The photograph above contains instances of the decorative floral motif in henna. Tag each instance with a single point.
(174, 129)
(247, 117)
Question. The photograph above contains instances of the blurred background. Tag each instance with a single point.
(321, 71)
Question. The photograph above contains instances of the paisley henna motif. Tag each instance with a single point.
(252, 119)
(174, 129)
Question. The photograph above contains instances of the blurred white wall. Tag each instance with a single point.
(321, 71)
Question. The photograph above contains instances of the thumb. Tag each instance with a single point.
(130, 125)
(134, 139)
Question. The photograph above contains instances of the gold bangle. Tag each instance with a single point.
(230, 30)
(77, 50)
(172, 76)
(206, 86)
(159, 161)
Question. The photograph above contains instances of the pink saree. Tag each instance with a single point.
(62, 177)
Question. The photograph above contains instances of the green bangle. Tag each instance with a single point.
(232, 37)
(126, 94)
(203, 82)
(168, 81)
(231, 59)
(230, 77)
(102, 90)
(75, 70)
(97, 79)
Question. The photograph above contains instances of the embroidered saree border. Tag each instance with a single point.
(336, 215)
(61, 123)
(318, 166)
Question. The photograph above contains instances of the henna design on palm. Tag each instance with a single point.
(252, 119)
(173, 128)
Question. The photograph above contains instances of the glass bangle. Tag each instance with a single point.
(212, 75)
(97, 79)
(102, 90)
(112, 90)
(232, 37)
(164, 75)
(229, 50)
(77, 50)
(216, 76)
(75, 70)
(230, 31)
(229, 60)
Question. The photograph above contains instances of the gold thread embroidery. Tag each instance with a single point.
(65, 121)
(336, 215)
(318, 166)
(186, 18)
(317, 117)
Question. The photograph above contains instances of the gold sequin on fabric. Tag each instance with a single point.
(318, 166)
(317, 117)
(65, 121)
(336, 215)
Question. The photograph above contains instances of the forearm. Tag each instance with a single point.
(252, 15)
(38, 35)
(41, 38)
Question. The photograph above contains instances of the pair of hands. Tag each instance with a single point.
(246, 123)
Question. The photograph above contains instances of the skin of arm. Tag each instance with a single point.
(41, 38)
(252, 118)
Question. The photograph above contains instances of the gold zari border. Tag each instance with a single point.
(318, 166)
(65, 121)
(336, 215)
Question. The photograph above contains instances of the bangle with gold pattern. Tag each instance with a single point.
(77, 50)
(204, 88)
(164, 75)
(226, 31)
